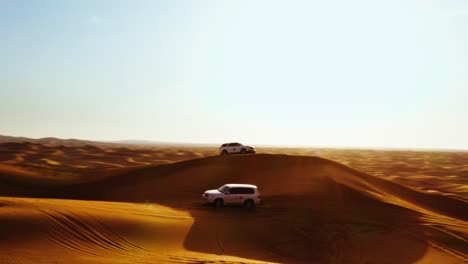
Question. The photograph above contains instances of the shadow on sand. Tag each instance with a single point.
(306, 216)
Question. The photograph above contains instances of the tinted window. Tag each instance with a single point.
(223, 188)
(232, 144)
(241, 191)
(246, 191)
(234, 190)
(223, 145)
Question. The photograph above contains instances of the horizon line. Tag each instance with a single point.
(147, 142)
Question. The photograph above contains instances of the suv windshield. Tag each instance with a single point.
(223, 188)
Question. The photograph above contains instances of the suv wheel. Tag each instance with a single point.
(224, 152)
(243, 151)
(218, 203)
(249, 204)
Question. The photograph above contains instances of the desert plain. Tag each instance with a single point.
(81, 202)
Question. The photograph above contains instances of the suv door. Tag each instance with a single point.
(244, 193)
(231, 196)
(231, 148)
(235, 147)
(240, 194)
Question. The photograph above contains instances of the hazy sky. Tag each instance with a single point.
(320, 73)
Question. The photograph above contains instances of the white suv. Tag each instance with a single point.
(229, 148)
(244, 194)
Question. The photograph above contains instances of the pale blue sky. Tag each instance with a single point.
(361, 73)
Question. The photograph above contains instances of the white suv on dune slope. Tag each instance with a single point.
(230, 148)
(244, 194)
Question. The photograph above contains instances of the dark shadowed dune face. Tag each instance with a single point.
(443, 172)
(430, 172)
(313, 211)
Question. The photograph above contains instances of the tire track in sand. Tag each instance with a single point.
(86, 235)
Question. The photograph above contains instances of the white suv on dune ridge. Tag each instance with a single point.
(230, 148)
(244, 194)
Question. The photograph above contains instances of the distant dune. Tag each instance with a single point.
(51, 141)
(71, 142)
(443, 172)
(64, 164)
(314, 211)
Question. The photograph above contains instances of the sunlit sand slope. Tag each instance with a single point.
(314, 211)
(68, 231)
(70, 161)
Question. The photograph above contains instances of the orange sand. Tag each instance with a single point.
(314, 211)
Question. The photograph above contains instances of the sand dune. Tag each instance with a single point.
(445, 173)
(86, 162)
(411, 168)
(314, 211)
(66, 231)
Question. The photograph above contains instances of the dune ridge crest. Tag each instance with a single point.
(315, 211)
(268, 171)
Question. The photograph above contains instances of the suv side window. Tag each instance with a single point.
(237, 144)
(246, 191)
(234, 190)
(243, 191)
(231, 144)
